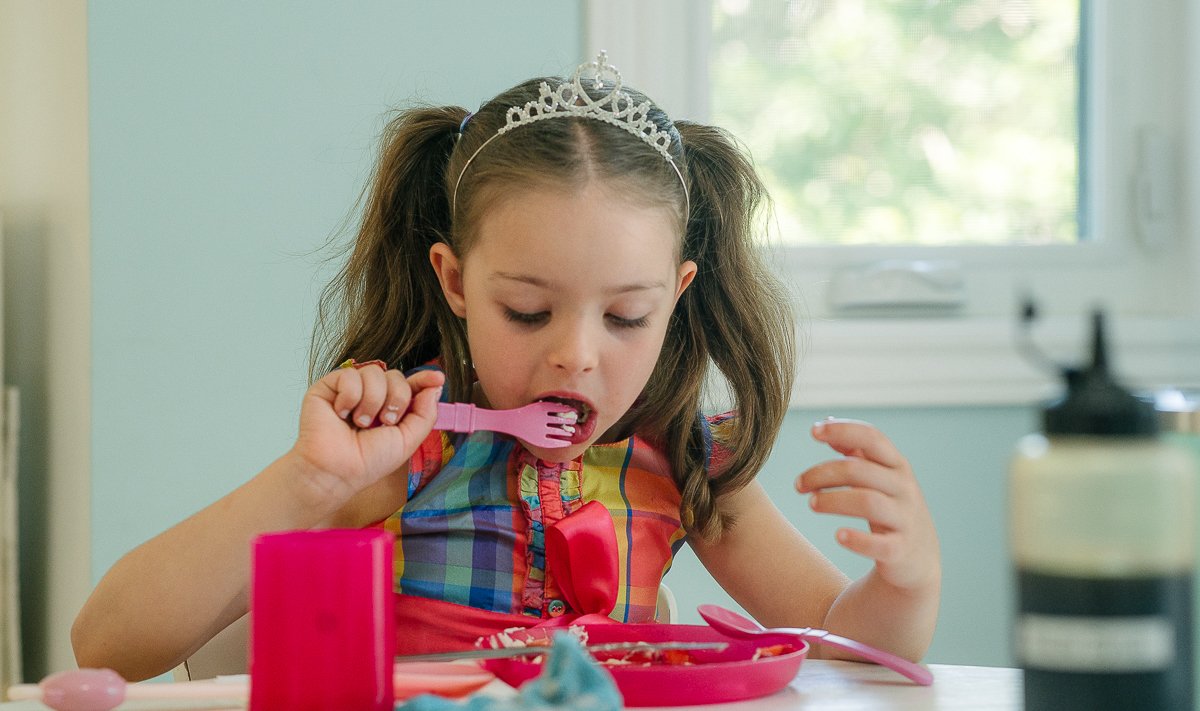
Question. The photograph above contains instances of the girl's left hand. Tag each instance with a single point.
(874, 481)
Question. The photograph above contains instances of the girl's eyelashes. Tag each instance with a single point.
(539, 317)
(525, 318)
(640, 322)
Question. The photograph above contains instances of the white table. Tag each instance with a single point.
(824, 685)
(821, 685)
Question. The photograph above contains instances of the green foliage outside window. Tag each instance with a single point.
(905, 121)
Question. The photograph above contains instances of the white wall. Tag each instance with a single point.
(229, 142)
(44, 201)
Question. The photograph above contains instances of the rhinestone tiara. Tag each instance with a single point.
(570, 99)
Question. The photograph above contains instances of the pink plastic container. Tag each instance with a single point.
(321, 621)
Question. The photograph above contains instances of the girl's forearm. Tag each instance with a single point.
(165, 598)
(877, 613)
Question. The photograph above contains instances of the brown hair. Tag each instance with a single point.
(386, 302)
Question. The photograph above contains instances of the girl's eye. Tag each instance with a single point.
(620, 322)
(525, 318)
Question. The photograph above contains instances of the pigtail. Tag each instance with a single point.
(386, 302)
(735, 313)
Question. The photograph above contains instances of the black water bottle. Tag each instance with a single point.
(1101, 529)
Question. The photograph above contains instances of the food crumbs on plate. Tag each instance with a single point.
(676, 657)
(775, 650)
(571, 680)
(646, 657)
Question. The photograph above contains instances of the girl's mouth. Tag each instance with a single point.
(585, 423)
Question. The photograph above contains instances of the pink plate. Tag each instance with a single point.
(449, 679)
(714, 677)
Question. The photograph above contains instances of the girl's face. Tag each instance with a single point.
(566, 297)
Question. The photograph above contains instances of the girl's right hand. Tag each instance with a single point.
(340, 452)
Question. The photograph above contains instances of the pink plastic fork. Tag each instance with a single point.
(538, 423)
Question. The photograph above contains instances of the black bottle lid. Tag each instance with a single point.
(1095, 404)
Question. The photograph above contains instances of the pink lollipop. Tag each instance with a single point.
(104, 690)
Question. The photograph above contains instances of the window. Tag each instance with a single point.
(877, 122)
(911, 302)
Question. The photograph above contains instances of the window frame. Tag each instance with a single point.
(1142, 271)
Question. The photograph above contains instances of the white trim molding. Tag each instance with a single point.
(931, 362)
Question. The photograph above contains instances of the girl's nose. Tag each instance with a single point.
(575, 347)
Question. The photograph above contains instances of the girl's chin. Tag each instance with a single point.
(557, 455)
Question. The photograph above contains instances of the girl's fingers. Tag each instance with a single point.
(874, 482)
(402, 392)
(369, 395)
(429, 382)
(346, 387)
(374, 391)
(422, 413)
(423, 379)
(851, 471)
(879, 510)
(858, 439)
(399, 394)
(879, 546)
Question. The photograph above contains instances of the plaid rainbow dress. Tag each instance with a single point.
(472, 530)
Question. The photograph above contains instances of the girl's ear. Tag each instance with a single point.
(449, 273)
(684, 277)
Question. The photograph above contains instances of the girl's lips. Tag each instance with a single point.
(585, 425)
(583, 431)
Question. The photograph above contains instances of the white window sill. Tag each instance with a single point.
(953, 361)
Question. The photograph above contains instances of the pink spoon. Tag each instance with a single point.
(731, 623)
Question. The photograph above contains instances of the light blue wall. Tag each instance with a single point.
(229, 140)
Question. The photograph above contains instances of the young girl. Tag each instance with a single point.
(567, 242)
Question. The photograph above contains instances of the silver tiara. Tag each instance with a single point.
(570, 99)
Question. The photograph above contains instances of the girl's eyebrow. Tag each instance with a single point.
(534, 280)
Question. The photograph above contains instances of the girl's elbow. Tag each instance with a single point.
(81, 641)
(87, 642)
(93, 649)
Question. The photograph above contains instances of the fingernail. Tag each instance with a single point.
(438, 394)
(390, 417)
(812, 501)
(364, 421)
(818, 427)
(843, 535)
(344, 414)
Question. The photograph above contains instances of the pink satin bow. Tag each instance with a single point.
(581, 555)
